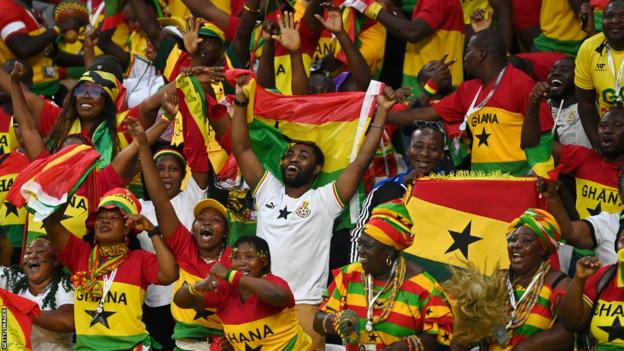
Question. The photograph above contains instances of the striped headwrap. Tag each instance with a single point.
(391, 225)
(106, 80)
(121, 198)
(171, 152)
(543, 224)
(209, 30)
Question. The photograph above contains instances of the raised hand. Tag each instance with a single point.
(548, 189)
(269, 29)
(586, 18)
(480, 20)
(540, 92)
(207, 75)
(91, 38)
(191, 35)
(136, 130)
(18, 72)
(169, 103)
(333, 23)
(219, 271)
(139, 223)
(241, 81)
(587, 266)
(289, 32)
(387, 99)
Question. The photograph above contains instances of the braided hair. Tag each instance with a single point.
(17, 281)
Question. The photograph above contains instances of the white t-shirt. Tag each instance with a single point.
(604, 227)
(183, 204)
(568, 126)
(40, 338)
(298, 232)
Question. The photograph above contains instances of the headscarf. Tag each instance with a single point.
(209, 30)
(106, 80)
(543, 224)
(391, 225)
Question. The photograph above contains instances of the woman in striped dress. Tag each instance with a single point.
(384, 302)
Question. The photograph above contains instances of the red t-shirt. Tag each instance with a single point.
(542, 62)
(15, 19)
(526, 13)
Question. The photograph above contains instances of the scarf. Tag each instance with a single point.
(110, 258)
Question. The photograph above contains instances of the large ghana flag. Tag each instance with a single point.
(465, 218)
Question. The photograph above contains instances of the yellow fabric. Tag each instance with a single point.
(431, 241)
(38, 62)
(592, 71)
(436, 45)
(178, 9)
(504, 141)
(590, 194)
(13, 337)
(558, 21)
(283, 72)
(187, 315)
(124, 300)
(372, 42)
(137, 44)
(469, 6)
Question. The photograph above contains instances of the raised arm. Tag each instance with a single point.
(250, 167)
(266, 67)
(347, 182)
(106, 44)
(125, 163)
(357, 64)
(574, 312)
(149, 107)
(165, 214)
(588, 113)
(409, 117)
(412, 31)
(33, 102)
(503, 11)
(89, 44)
(245, 28)
(208, 11)
(148, 21)
(289, 39)
(58, 234)
(575, 233)
(33, 143)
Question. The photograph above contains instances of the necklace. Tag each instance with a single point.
(523, 306)
(211, 260)
(397, 276)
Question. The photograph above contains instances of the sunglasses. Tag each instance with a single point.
(92, 90)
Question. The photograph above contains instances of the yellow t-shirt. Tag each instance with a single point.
(469, 6)
(558, 21)
(593, 73)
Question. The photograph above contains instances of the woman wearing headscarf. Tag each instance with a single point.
(529, 295)
(594, 301)
(111, 273)
(384, 301)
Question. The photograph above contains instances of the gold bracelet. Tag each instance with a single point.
(192, 290)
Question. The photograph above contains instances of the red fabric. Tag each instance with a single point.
(11, 11)
(48, 116)
(113, 21)
(512, 95)
(140, 268)
(183, 245)
(526, 13)
(591, 285)
(587, 164)
(23, 310)
(542, 62)
(233, 24)
(440, 15)
(183, 61)
(232, 311)
(309, 41)
(600, 4)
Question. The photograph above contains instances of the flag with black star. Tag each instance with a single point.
(465, 219)
(593, 197)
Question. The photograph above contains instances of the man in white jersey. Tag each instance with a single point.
(295, 219)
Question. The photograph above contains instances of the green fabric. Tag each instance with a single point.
(518, 168)
(106, 342)
(542, 151)
(438, 270)
(166, 45)
(46, 88)
(598, 20)
(75, 72)
(193, 331)
(15, 233)
(544, 43)
(103, 144)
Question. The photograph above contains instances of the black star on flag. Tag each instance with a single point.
(202, 314)
(10, 208)
(616, 331)
(373, 337)
(249, 348)
(595, 210)
(284, 213)
(101, 318)
(462, 240)
(483, 138)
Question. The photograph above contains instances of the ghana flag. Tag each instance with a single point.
(465, 218)
(16, 315)
(49, 182)
(12, 219)
(336, 122)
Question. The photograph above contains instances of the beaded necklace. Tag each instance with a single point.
(397, 276)
(210, 260)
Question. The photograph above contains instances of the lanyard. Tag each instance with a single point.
(512, 295)
(618, 79)
(371, 300)
(474, 108)
(108, 282)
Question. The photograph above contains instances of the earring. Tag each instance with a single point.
(389, 260)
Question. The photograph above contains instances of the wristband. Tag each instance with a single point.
(250, 10)
(431, 87)
(373, 10)
(237, 102)
(154, 231)
(233, 277)
(166, 118)
(192, 290)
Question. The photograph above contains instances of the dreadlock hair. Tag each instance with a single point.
(69, 114)
(260, 245)
(17, 281)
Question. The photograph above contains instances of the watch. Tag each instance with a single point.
(154, 231)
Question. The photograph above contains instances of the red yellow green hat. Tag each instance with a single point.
(210, 30)
(391, 225)
(123, 199)
(106, 80)
(543, 224)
